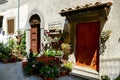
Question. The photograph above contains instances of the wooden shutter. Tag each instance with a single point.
(10, 26)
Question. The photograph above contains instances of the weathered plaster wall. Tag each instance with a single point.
(49, 9)
(13, 14)
(110, 60)
(113, 45)
(49, 13)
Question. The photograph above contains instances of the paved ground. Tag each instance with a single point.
(13, 71)
(69, 78)
(60, 78)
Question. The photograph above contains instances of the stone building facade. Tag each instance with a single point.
(17, 14)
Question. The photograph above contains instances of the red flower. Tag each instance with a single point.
(30, 49)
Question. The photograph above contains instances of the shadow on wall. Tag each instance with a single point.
(119, 40)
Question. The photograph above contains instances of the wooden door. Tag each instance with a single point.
(87, 44)
(35, 37)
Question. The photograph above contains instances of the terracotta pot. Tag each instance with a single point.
(46, 59)
(5, 61)
(48, 79)
(63, 73)
(13, 60)
(24, 64)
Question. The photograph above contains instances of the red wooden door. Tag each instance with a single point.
(35, 38)
(87, 44)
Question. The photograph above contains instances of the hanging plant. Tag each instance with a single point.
(104, 37)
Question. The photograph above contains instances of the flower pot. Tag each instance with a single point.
(24, 64)
(13, 60)
(63, 73)
(5, 60)
(48, 78)
(46, 59)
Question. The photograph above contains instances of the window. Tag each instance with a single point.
(3, 1)
(1, 20)
(10, 26)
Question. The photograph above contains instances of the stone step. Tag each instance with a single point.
(85, 73)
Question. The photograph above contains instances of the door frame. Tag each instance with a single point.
(73, 34)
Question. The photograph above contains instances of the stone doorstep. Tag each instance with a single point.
(85, 73)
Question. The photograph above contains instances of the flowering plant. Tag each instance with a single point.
(45, 67)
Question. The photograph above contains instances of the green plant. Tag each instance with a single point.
(50, 52)
(3, 57)
(37, 66)
(6, 53)
(65, 46)
(118, 77)
(1, 47)
(68, 66)
(28, 69)
(5, 49)
(105, 35)
(105, 77)
(11, 43)
(49, 71)
(19, 32)
(22, 46)
(59, 53)
(31, 57)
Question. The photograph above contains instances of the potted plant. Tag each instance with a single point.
(105, 35)
(66, 48)
(50, 52)
(47, 73)
(4, 58)
(68, 66)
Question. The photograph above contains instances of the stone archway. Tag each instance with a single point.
(35, 32)
(28, 28)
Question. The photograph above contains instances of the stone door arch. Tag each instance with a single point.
(35, 33)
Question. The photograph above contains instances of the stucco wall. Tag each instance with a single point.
(48, 10)
(110, 60)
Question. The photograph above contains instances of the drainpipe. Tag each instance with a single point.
(18, 13)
